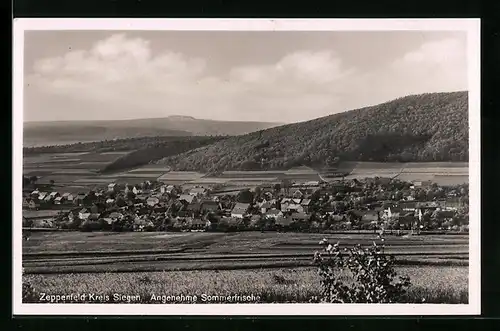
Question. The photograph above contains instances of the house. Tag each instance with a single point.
(240, 210)
(54, 195)
(297, 193)
(273, 213)
(142, 198)
(193, 209)
(110, 201)
(68, 198)
(35, 193)
(265, 206)
(187, 198)
(408, 205)
(254, 220)
(84, 214)
(79, 199)
(392, 212)
(427, 206)
(48, 198)
(197, 224)
(115, 216)
(169, 189)
(198, 191)
(300, 216)
(424, 183)
(152, 201)
(58, 200)
(108, 220)
(209, 206)
(42, 196)
(33, 204)
(293, 207)
(94, 217)
(305, 203)
(451, 204)
(112, 187)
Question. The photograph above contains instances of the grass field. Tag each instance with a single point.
(234, 263)
(434, 284)
(77, 252)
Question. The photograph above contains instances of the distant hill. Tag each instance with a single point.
(68, 132)
(426, 127)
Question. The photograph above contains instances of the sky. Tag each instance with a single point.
(266, 76)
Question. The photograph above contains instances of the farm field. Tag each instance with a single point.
(443, 173)
(435, 284)
(77, 252)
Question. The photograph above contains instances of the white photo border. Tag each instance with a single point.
(471, 26)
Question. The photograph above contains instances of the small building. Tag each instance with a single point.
(209, 206)
(152, 201)
(187, 198)
(84, 214)
(58, 200)
(198, 191)
(42, 196)
(300, 216)
(305, 203)
(112, 187)
(240, 210)
(197, 224)
(67, 197)
(115, 216)
(408, 205)
(273, 213)
(110, 201)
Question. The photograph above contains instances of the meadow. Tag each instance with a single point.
(284, 285)
(79, 252)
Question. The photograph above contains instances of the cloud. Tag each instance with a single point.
(121, 77)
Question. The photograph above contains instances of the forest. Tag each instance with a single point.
(426, 127)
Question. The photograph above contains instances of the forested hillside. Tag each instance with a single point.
(426, 127)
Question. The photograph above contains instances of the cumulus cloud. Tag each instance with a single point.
(122, 77)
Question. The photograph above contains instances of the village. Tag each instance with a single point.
(342, 205)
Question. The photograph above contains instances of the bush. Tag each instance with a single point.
(358, 275)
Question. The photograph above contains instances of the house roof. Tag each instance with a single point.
(273, 212)
(240, 205)
(54, 193)
(286, 200)
(297, 201)
(186, 197)
(112, 185)
(58, 199)
(305, 202)
(110, 200)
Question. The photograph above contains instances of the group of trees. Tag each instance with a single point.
(427, 127)
(124, 144)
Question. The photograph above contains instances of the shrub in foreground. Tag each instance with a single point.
(373, 276)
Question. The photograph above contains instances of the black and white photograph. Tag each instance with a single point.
(265, 167)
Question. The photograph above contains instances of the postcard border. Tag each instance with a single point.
(472, 26)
